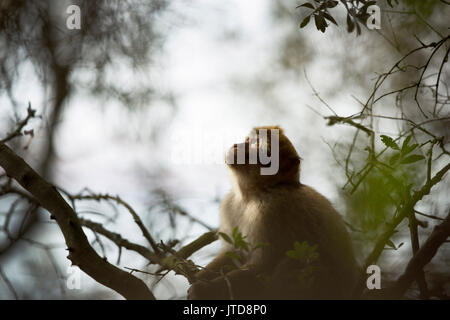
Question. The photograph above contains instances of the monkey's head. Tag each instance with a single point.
(265, 159)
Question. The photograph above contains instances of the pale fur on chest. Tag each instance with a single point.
(245, 215)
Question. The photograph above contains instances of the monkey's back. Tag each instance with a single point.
(282, 216)
(310, 217)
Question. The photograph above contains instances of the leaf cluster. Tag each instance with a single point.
(356, 13)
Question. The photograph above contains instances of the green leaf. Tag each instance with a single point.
(358, 28)
(389, 142)
(240, 243)
(405, 143)
(305, 22)
(321, 24)
(303, 252)
(411, 159)
(235, 231)
(226, 237)
(329, 17)
(400, 245)
(307, 5)
(366, 5)
(232, 255)
(292, 254)
(391, 244)
(299, 246)
(394, 159)
(350, 24)
(261, 245)
(390, 3)
(392, 180)
(332, 4)
(409, 149)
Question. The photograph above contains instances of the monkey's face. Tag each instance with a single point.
(265, 158)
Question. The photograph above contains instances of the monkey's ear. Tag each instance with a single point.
(291, 167)
(295, 161)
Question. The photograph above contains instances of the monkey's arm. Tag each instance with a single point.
(237, 284)
(214, 268)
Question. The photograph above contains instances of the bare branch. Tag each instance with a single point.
(80, 251)
(31, 113)
(415, 266)
(423, 256)
(9, 284)
(197, 244)
(130, 209)
(119, 241)
(404, 212)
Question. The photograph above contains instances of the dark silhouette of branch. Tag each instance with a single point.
(170, 206)
(403, 213)
(423, 256)
(415, 266)
(177, 260)
(15, 231)
(409, 206)
(332, 120)
(197, 244)
(34, 32)
(9, 284)
(80, 251)
(120, 241)
(31, 113)
(414, 235)
(47, 249)
(130, 209)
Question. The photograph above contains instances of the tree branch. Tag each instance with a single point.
(31, 113)
(136, 218)
(205, 239)
(415, 266)
(80, 251)
(119, 241)
(423, 256)
(404, 212)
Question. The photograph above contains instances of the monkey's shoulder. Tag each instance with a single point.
(288, 200)
(294, 199)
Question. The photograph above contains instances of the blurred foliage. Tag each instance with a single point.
(303, 252)
(385, 188)
(424, 7)
(305, 257)
(357, 11)
(111, 32)
(117, 41)
(240, 245)
(385, 182)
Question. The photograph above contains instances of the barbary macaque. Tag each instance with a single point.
(303, 250)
